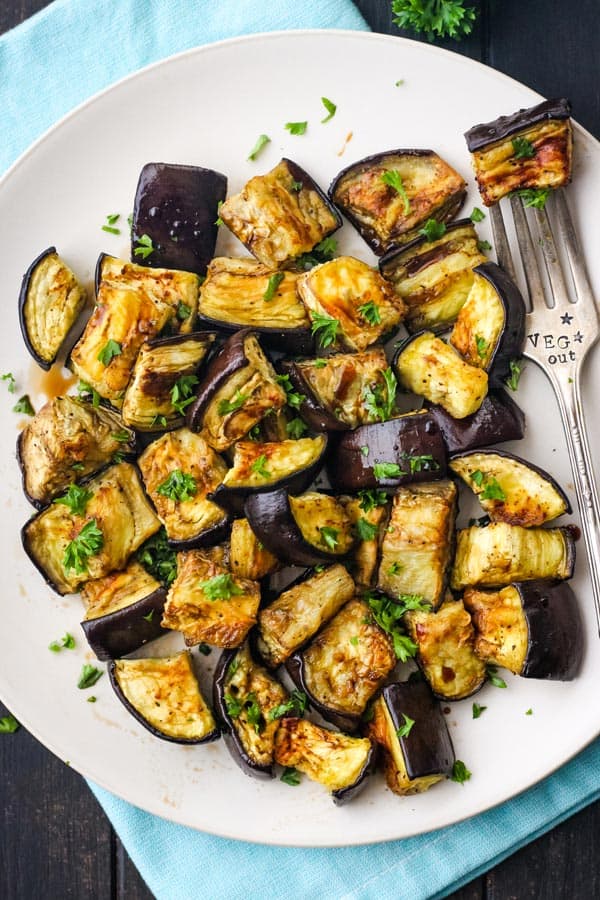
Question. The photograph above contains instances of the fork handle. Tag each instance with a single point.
(569, 401)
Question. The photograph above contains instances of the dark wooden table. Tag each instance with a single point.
(55, 842)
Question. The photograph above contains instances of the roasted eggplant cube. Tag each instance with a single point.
(247, 556)
(123, 611)
(164, 379)
(247, 701)
(134, 304)
(242, 292)
(344, 665)
(446, 650)
(532, 628)
(177, 207)
(369, 515)
(500, 554)
(239, 389)
(510, 489)
(388, 197)
(264, 466)
(498, 419)
(280, 215)
(207, 604)
(300, 611)
(338, 391)
(306, 530)
(164, 696)
(338, 762)
(417, 547)
(349, 303)
(180, 470)
(70, 549)
(414, 757)
(403, 450)
(533, 148)
(50, 301)
(66, 441)
(490, 328)
(429, 367)
(434, 278)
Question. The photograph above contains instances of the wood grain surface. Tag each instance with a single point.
(55, 842)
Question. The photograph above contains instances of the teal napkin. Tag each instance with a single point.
(47, 66)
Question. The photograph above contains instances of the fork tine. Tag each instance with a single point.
(583, 289)
(501, 244)
(555, 274)
(531, 269)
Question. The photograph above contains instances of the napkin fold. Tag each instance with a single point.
(57, 59)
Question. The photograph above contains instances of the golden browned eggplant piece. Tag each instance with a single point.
(248, 557)
(344, 665)
(298, 613)
(208, 604)
(429, 367)
(338, 762)
(179, 471)
(71, 548)
(349, 303)
(164, 379)
(50, 301)
(529, 150)
(500, 554)
(434, 277)
(388, 197)
(417, 548)
(368, 514)
(66, 441)
(280, 215)
(164, 696)
(446, 650)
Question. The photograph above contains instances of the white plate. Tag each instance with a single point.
(207, 107)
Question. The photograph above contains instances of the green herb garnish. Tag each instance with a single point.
(23, 405)
(86, 390)
(380, 406)
(492, 491)
(296, 704)
(178, 486)
(384, 470)
(324, 251)
(296, 127)
(483, 246)
(88, 542)
(182, 392)
(234, 705)
(433, 230)
(66, 642)
(330, 107)
(370, 313)
(481, 345)
(274, 282)
(12, 382)
(354, 640)
(110, 223)
(228, 406)
(109, 351)
(259, 466)
(221, 587)
(425, 462)
(393, 179)
(388, 614)
(122, 436)
(8, 724)
(477, 710)
(261, 143)
(76, 499)
(477, 215)
(183, 311)
(329, 536)
(370, 499)
(523, 149)
(495, 679)
(395, 568)
(292, 398)
(435, 18)
(516, 367)
(89, 676)
(405, 729)
(365, 530)
(325, 327)
(296, 428)
(290, 776)
(144, 246)
(535, 197)
(460, 773)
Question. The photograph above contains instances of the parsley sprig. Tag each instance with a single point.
(325, 328)
(145, 247)
(158, 559)
(435, 18)
(370, 313)
(381, 403)
(221, 587)
(178, 486)
(76, 499)
(393, 179)
(228, 406)
(388, 614)
(89, 542)
(295, 704)
(182, 392)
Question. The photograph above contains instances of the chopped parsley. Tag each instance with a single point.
(219, 221)
(329, 536)
(182, 392)
(221, 587)
(529, 712)
(296, 428)
(295, 704)
(384, 470)
(122, 437)
(178, 486)
(380, 407)
(492, 491)
(535, 197)
(395, 568)
(370, 313)
(393, 179)
(290, 776)
(109, 351)
(365, 450)
(92, 699)
(477, 215)
(324, 251)
(477, 710)
(325, 327)
(483, 246)
(89, 676)
(370, 499)
(365, 530)
(296, 127)
(516, 367)
(23, 405)
(481, 345)
(158, 559)
(228, 406)
(149, 616)
(296, 186)
(274, 282)
(11, 382)
(261, 143)
(495, 679)
(183, 311)
(433, 230)
(159, 420)
(233, 705)
(460, 773)
(293, 398)
(523, 149)
(8, 724)
(405, 729)
(354, 640)
(109, 225)
(76, 499)
(259, 466)
(425, 462)
(88, 542)
(388, 614)
(144, 246)
(67, 642)
(249, 705)
(85, 390)
(319, 363)
(330, 107)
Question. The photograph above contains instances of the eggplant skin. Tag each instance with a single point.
(238, 675)
(272, 518)
(415, 762)
(177, 207)
(446, 650)
(123, 611)
(432, 369)
(490, 329)
(531, 496)
(378, 212)
(545, 613)
(500, 554)
(164, 696)
(500, 171)
(337, 761)
(278, 221)
(298, 613)
(434, 277)
(414, 436)
(50, 301)
(344, 665)
(67, 440)
(498, 419)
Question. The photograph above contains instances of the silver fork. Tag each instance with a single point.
(561, 329)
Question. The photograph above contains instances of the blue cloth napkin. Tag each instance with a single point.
(47, 66)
